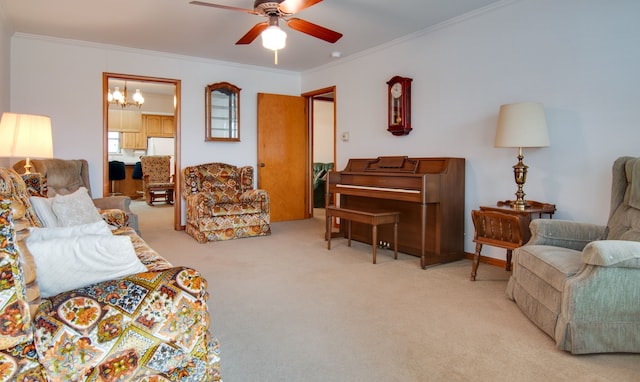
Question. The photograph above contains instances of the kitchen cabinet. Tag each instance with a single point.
(134, 141)
(158, 125)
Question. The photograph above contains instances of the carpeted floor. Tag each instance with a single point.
(286, 309)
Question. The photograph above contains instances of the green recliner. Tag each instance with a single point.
(580, 283)
(319, 180)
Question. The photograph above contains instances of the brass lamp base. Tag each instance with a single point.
(520, 175)
(27, 166)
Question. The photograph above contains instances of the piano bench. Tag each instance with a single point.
(373, 218)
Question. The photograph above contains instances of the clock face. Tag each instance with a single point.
(396, 90)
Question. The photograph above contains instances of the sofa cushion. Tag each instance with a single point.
(95, 228)
(89, 258)
(75, 208)
(44, 210)
(539, 273)
(66, 210)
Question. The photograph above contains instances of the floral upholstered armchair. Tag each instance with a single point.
(152, 325)
(222, 203)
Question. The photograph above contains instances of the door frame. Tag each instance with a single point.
(106, 76)
(310, 96)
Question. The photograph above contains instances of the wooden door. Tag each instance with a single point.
(283, 154)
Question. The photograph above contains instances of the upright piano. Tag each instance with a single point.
(428, 193)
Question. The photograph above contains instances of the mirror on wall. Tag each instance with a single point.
(222, 112)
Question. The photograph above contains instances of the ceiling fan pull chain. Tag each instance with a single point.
(275, 59)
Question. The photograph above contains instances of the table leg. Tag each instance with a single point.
(348, 233)
(507, 266)
(476, 261)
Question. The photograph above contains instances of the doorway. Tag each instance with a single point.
(285, 150)
(124, 129)
(322, 105)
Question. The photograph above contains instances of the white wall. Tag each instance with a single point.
(5, 65)
(5, 48)
(579, 58)
(63, 79)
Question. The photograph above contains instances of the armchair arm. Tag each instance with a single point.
(115, 217)
(564, 233)
(113, 202)
(108, 204)
(254, 196)
(613, 253)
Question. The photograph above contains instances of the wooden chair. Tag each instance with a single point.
(499, 230)
(157, 181)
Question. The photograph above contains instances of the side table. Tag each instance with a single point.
(505, 227)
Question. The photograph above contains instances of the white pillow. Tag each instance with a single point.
(97, 228)
(74, 262)
(75, 208)
(43, 207)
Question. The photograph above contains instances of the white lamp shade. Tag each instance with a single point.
(522, 125)
(25, 135)
(274, 38)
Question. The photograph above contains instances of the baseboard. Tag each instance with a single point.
(487, 260)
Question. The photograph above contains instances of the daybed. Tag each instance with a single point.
(222, 203)
(579, 282)
(149, 326)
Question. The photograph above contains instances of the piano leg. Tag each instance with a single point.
(327, 233)
(395, 240)
(374, 233)
(423, 233)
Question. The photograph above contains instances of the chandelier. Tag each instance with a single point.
(120, 98)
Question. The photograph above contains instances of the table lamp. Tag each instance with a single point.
(521, 125)
(25, 136)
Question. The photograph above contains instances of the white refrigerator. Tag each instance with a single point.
(161, 146)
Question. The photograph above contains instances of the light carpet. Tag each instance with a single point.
(286, 309)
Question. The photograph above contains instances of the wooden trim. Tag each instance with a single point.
(310, 96)
(106, 76)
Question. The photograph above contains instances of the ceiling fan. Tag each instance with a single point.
(276, 10)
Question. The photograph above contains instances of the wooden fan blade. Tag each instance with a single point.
(223, 7)
(314, 30)
(253, 33)
(294, 6)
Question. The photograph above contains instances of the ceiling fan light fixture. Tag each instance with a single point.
(274, 38)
